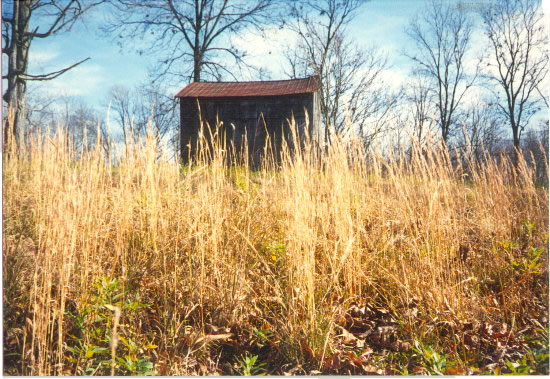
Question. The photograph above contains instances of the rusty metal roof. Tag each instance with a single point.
(245, 89)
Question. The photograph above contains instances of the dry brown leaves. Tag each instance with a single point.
(362, 330)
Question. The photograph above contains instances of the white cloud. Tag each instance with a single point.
(82, 80)
(266, 51)
(42, 56)
(394, 77)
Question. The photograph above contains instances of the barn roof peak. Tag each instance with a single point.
(251, 89)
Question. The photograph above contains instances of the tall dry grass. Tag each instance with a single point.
(287, 248)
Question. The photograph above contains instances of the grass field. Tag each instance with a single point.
(348, 263)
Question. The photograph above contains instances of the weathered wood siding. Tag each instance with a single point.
(245, 116)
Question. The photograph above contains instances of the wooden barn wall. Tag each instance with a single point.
(245, 114)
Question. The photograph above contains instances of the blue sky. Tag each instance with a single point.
(91, 80)
(379, 22)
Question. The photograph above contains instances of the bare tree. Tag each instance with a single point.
(134, 109)
(124, 106)
(318, 24)
(351, 84)
(442, 37)
(19, 28)
(83, 124)
(161, 109)
(481, 129)
(420, 107)
(45, 112)
(39, 111)
(518, 59)
(191, 38)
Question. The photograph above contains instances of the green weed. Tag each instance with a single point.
(89, 344)
(249, 365)
(434, 362)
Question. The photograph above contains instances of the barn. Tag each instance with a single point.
(256, 108)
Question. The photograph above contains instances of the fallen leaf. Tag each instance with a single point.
(308, 352)
(456, 371)
(347, 337)
(401, 346)
(369, 369)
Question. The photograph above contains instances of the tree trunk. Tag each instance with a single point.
(197, 69)
(516, 137)
(515, 133)
(444, 131)
(15, 95)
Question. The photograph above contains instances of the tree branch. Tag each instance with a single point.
(51, 75)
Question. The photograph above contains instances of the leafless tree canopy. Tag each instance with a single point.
(518, 59)
(123, 108)
(351, 85)
(19, 28)
(320, 26)
(192, 38)
(442, 37)
(481, 130)
(82, 123)
(133, 110)
(420, 107)
(85, 127)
